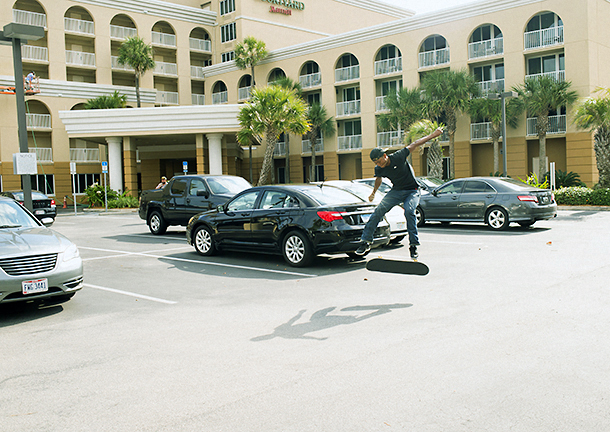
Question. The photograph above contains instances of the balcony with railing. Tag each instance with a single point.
(197, 72)
(164, 39)
(197, 99)
(390, 138)
(77, 26)
(434, 58)
(43, 154)
(167, 98)
(347, 73)
(486, 48)
(79, 58)
(348, 108)
(220, 97)
(306, 146)
(115, 65)
(29, 18)
(243, 93)
(38, 121)
(543, 38)
(492, 86)
(34, 53)
(202, 45)
(480, 131)
(122, 33)
(559, 76)
(280, 149)
(165, 68)
(84, 155)
(388, 66)
(380, 103)
(310, 80)
(349, 142)
(557, 125)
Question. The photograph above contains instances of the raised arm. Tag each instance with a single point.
(425, 139)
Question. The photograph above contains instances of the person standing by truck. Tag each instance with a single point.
(163, 183)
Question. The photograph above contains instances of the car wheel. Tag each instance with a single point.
(156, 223)
(419, 215)
(203, 241)
(297, 249)
(497, 219)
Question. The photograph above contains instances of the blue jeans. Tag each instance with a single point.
(410, 200)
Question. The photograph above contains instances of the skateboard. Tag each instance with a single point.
(396, 266)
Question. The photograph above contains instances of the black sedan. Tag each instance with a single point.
(296, 221)
(43, 206)
(496, 201)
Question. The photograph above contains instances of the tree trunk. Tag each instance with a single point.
(451, 127)
(287, 168)
(496, 133)
(137, 90)
(602, 155)
(542, 125)
(266, 170)
(435, 160)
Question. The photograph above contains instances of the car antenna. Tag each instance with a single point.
(322, 183)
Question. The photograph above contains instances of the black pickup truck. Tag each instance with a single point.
(184, 196)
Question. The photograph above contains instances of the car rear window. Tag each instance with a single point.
(330, 195)
(515, 185)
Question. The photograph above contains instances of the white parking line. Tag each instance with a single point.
(150, 237)
(127, 293)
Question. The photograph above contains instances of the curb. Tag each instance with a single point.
(584, 208)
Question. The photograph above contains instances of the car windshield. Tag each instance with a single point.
(227, 185)
(12, 215)
(330, 195)
(35, 195)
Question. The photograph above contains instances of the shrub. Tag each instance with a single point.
(565, 179)
(532, 180)
(123, 201)
(578, 195)
(600, 197)
(95, 197)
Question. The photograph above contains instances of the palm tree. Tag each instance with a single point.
(405, 108)
(538, 97)
(249, 53)
(115, 100)
(135, 53)
(434, 158)
(491, 110)
(446, 95)
(290, 84)
(321, 124)
(594, 114)
(270, 112)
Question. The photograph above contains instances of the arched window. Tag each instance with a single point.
(433, 51)
(544, 29)
(485, 41)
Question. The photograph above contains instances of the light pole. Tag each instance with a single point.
(16, 34)
(502, 97)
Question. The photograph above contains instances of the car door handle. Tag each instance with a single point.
(244, 214)
(454, 197)
(188, 200)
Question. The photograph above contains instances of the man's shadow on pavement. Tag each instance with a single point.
(322, 319)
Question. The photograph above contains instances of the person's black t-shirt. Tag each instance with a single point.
(399, 171)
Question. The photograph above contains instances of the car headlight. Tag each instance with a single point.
(71, 252)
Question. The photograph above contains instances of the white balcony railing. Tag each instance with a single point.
(29, 18)
(119, 32)
(556, 75)
(389, 138)
(84, 155)
(243, 93)
(543, 38)
(197, 72)
(349, 142)
(310, 80)
(493, 86)
(200, 44)
(197, 99)
(388, 66)
(485, 48)
(165, 68)
(280, 149)
(34, 53)
(167, 98)
(73, 25)
(480, 131)
(347, 73)
(557, 125)
(114, 64)
(38, 121)
(306, 146)
(165, 39)
(79, 58)
(43, 154)
(348, 108)
(380, 103)
(220, 97)
(434, 58)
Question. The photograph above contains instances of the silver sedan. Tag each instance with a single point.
(35, 261)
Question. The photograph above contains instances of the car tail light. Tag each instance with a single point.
(531, 198)
(52, 203)
(330, 216)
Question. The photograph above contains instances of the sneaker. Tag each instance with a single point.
(413, 251)
(363, 248)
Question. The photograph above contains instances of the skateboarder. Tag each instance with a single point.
(404, 190)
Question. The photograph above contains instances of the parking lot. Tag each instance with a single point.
(507, 331)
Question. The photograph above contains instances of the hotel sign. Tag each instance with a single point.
(285, 6)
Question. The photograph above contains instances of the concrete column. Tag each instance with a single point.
(115, 162)
(215, 152)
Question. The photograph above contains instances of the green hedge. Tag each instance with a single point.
(577, 195)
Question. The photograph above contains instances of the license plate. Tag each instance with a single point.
(39, 212)
(365, 217)
(35, 286)
(401, 225)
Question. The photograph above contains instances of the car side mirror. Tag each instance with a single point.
(47, 221)
(203, 193)
(220, 208)
(434, 192)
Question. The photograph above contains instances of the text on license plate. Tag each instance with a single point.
(35, 286)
